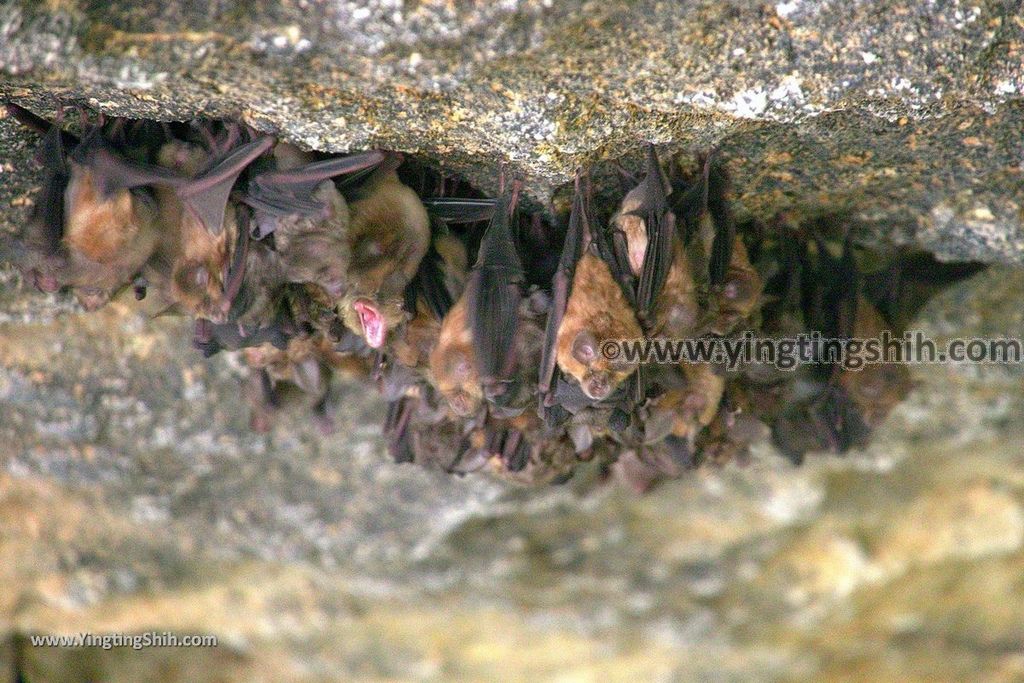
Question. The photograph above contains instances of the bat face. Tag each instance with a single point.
(453, 363)
(738, 297)
(684, 410)
(389, 234)
(596, 311)
(200, 269)
(315, 249)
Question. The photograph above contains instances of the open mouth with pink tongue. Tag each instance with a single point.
(374, 328)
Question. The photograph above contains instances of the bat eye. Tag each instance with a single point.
(584, 348)
(735, 288)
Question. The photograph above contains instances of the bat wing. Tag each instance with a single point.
(687, 203)
(206, 196)
(429, 283)
(561, 287)
(40, 125)
(113, 172)
(493, 296)
(460, 210)
(660, 221)
(515, 451)
(784, 289)
(396, 429)
(724, 222)
(901, 289)
(289, 192)
(211, 338)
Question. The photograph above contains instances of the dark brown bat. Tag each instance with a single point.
(901, 288)
(480, 343)
(493, 296)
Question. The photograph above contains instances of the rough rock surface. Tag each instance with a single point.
(905, 117)
(133, 498)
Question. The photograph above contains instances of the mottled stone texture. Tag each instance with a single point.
(133, 498)
(906, 117)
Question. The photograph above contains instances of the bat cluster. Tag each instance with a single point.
(479, 321)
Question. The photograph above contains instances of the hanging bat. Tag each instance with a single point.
(901, 288)
(297, 202)
(561, 288)
(735, 287)
(438, 282)
(389, 234)
(201, 239)
(93, 227)
(493, 296)
(521, 450)
(476, 354)
(840, 407)
(596, 309)
(689, 401)
(643, 232)
(299, 374)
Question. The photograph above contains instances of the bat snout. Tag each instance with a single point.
(372, 322)
(597, 386)
(462, 404)
(45, 282)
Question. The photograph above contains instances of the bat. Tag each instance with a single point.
(644, 231)
(479, 342)
(453, 368)
(596, 310)
(299, 374)
(688, 403)
(429, 297)
(296, 201)
(902, 287)
(493, 296)
(200, 227)
(91, 229)
(561, 288)
(389, 234)
(840, 407)
(522, 451)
